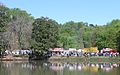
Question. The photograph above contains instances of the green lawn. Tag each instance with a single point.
(96, 59)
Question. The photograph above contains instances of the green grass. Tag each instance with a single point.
(97, 59)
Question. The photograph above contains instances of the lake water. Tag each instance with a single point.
(57, 68)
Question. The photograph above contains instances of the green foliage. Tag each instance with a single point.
(77, 35)
(15, 28)
(71, 35)
(118, 41)
(44, 35)
(80, 35)
(20, 28)
(17, 31)
(4, 18)
(107, 36)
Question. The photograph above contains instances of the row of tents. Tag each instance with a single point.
(66, 51)
(91, 49)
(73, 51)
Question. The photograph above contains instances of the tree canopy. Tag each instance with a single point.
(19, 30)
(44, 34)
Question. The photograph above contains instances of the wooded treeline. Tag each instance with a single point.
(82, 35)
(20, 30)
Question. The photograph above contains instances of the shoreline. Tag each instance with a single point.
(14, 59)
(69, 59)
(85, 59)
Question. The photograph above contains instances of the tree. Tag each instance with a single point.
(107, 35)
(118, 41)
(4, 19)
(19, 29)
(71, 34)
(44, 34)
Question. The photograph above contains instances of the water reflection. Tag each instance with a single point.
(57, 68)
(81, 66)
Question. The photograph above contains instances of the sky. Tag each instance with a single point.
(92, 11)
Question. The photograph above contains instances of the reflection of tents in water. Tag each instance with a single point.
(107, 67)
(56, 67)
(71, 68)
(93, 68)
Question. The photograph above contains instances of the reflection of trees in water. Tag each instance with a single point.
(2, 69)
(15, 68)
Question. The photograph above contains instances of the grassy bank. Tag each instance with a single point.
(11, 58)
(86, 59)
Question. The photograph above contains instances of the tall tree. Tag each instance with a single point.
(44, 35)
(4, 19)
(19, 29)
(118, 41)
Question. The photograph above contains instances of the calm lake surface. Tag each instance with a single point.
(57, 68)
